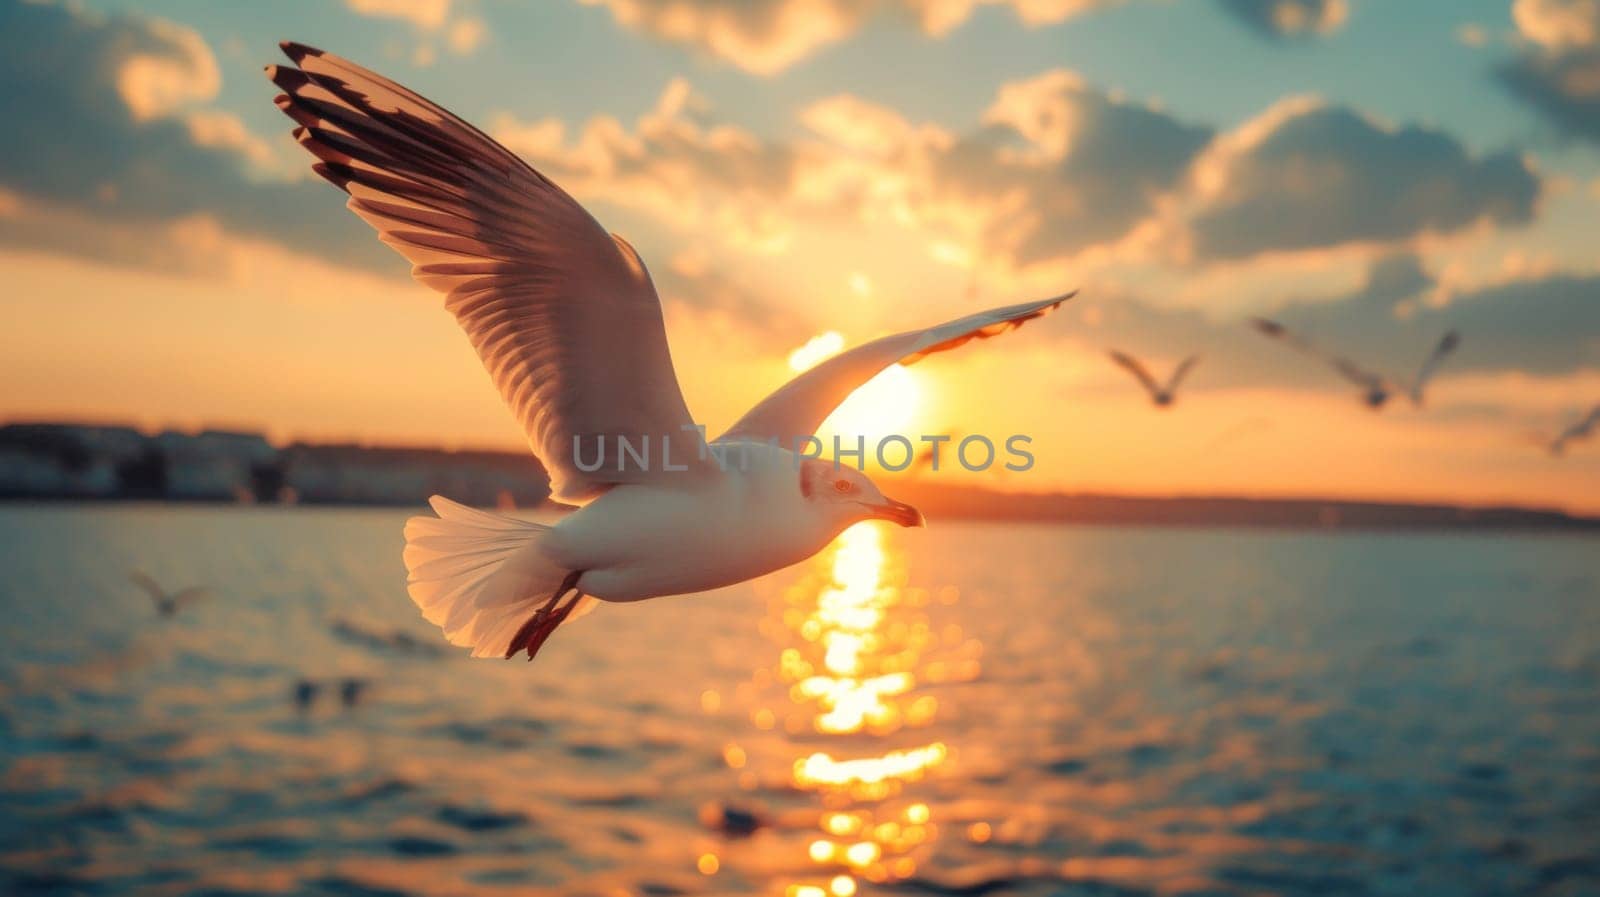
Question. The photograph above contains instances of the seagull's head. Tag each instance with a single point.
(845, 495)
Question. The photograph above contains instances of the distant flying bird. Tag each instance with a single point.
(1376, 388)
(1163, 396)
(167, 603)
(568, 323)
(1578, 431)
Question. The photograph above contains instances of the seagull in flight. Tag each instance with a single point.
(1376, 389)
(566, 320)
(1578, 431)
(1162, 396)
(167, 603)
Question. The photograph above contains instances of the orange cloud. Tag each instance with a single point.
(177, 69)
(1558, 24)
(424, 14)
(768, 36)
(712, 178)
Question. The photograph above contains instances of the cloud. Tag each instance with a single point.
(768, 36)
(461, 35)
(165, 68)
(216, 129)
(1281, 19)
(675, 162)
(1056, 167)
(1059, 171)
(691, 283)
(1559, 72)
(466, 35)
(424, 14)
(1056, 170)
(1307, 175)
(109, 130)
(1558, 24)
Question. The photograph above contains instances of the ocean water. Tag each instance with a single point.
(970, 709)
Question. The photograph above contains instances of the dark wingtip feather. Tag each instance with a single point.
(290, 79)
(297, 51)
(334, 173)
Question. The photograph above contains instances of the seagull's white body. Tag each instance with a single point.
(632, 542)
(566, 320)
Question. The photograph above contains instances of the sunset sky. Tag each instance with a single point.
(1371, 173)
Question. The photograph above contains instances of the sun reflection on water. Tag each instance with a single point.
(857, 645)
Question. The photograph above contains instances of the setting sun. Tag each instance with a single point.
(885, 405)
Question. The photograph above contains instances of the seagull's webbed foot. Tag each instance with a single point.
(531, 637)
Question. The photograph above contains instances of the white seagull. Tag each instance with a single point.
(567, 322)
(1162, 395)
(1376, 389)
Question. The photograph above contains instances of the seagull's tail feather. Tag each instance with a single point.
(479, 576)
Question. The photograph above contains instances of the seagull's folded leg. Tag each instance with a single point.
(544, 621)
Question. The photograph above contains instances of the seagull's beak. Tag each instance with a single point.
(898, 512)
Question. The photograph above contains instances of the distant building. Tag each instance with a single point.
(354, 474)
(214, 465)
(48, 460)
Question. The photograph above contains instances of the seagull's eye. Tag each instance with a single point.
(843, 486)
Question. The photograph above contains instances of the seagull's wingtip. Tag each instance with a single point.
(287, 77)
(296, 50)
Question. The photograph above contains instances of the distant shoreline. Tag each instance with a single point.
(970, 504)
(75, 462)
(1298, 513)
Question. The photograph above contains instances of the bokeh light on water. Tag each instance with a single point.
(856, 645)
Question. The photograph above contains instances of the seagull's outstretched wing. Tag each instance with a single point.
(563, 315)
(802, 404)
(1182, 371)
(1288, 337)
(189, 596)
(1586, 426)
(1358, 375)
(1346, 368)
(1132, 366)
(1446, 345)
(1579, 430)
(150, 586)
